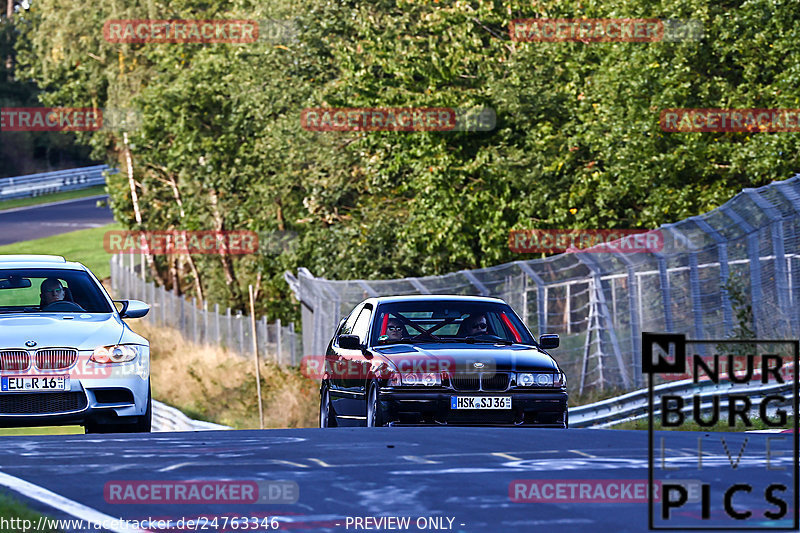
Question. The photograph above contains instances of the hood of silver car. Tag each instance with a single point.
(84, 331)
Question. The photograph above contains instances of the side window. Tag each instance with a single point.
(347, 328)
(362, 324)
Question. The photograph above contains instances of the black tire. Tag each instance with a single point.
(327, 419)
(374, 413)
(566, 419)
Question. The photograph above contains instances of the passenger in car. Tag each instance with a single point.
(395, 330)
(474, 325)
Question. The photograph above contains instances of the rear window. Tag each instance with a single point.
(37, 289)
(421, 321)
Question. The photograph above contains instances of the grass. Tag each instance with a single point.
(10, 508)
(54, 197)
(84, 246)
(212, 384)
(44, 430)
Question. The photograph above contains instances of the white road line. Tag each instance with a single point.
(506, 456)
(37, 206)
(320, 462)
(583, 454)
(174, 467)
(72, 508)
(290, 463)
(420, 460)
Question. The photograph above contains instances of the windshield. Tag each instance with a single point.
(447, 321)
(43, 290)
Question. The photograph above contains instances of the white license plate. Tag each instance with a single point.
(480, 402)
(34, 383)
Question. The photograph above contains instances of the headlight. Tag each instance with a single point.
(429, 379)
(541, 379)
(120, 353)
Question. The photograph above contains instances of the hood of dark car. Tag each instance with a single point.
(463, 357)
(81, 331)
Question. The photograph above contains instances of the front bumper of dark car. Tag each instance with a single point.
(539, 408)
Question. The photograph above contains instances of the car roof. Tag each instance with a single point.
(434, 298)
(38, 261)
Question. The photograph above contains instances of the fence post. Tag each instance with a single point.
(278, 334)
(194, 320)
(216, 320)
(265, 335)
(229, 329)
(205, 322)
(293, 344)
(255, 356)
(240, 319)
(182, 326)
(162, 293)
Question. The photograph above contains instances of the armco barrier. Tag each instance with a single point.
(634, 405)
(50, 182)
(166, 418)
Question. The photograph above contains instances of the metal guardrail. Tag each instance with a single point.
(634, 405)
(166, 418)
(50, 182)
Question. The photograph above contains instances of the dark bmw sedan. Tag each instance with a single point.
(440, 360)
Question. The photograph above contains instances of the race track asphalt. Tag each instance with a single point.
(458, 474)
(34, 222)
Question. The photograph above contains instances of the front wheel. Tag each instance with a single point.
(326, 417)
(374, 414)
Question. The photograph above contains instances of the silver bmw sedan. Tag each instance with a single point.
(66, 356)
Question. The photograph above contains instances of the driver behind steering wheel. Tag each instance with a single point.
(51, 291)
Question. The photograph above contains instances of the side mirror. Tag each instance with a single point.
(132, 308)
(349, 342)
(548, 341)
